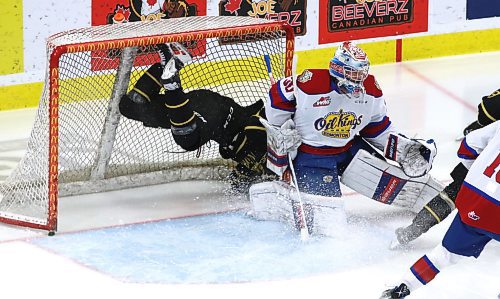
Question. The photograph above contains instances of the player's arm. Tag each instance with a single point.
(380, 126)
(488, 111)
(415, 156)
(248, 149)
(280, 105)
(474, 143)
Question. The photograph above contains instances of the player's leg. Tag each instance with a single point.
(460, 240)
(140, 103)
(317, 174)
(436, 210)
(186, 126)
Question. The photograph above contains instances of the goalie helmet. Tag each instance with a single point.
(350, 67)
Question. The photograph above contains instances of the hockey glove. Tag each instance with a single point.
(471, 127)
(282, 140)
(414, 155)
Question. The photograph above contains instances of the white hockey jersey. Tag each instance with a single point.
(478, 201)
(325, 117)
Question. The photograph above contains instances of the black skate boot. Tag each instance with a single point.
(400, 291)
(407, 234)
(170, 78)
(173, 57)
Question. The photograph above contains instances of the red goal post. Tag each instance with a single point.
(80, 144)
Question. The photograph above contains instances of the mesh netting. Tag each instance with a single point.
(232, 65)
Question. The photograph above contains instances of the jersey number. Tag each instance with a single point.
(490, 170)
(288, 84)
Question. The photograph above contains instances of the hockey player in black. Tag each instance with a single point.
(443, 204)
(198, 116)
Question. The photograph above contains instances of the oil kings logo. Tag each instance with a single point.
(291, 11)
(338, 124)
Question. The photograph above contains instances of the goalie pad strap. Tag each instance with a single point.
(276, 163)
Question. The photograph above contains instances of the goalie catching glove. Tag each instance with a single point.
(281, 141)
(414, 155)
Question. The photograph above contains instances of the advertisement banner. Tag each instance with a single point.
(341, 20)
(480, 9)
(292, 11)
(122, 11)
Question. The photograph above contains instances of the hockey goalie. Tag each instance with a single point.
(331, 124)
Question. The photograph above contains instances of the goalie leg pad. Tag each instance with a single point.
(386, 183)
(271, 201)
(278, 201)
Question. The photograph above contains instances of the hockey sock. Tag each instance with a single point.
(435, 210)
(180, 112)
(149, 84)
(431, 214)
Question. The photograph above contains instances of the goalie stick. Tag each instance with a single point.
(298, 210)
(304, 230)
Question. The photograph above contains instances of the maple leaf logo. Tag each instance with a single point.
(232, 6)
(152, 2)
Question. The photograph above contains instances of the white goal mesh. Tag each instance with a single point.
(80, 143)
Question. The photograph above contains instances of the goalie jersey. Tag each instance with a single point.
(324, 116)
(478, 201)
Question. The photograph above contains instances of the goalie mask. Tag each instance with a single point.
(350, 67)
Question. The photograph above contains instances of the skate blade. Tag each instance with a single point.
(386, 295)
(395, 245)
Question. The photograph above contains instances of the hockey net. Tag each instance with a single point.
(79, 141)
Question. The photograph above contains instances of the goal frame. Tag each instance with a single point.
(53, 90)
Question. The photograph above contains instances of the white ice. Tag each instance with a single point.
(122, 245)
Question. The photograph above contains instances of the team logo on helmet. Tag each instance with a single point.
(355, 51)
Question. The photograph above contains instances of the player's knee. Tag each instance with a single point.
(324, 184)
(132, 109)
(187, 137)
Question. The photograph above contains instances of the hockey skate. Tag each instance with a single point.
(170, 78)
(173, 57)
(405, 235)
(400, 291)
